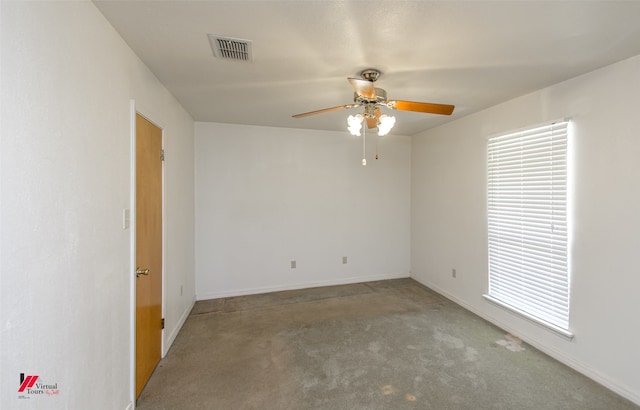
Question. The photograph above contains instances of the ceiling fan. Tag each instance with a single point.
(372, 98)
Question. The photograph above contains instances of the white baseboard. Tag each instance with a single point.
(129, 406)
(560, 356)
(303, 285)
(166, 345)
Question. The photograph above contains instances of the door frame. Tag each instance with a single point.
(139, 109)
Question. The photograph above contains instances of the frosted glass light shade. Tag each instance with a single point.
(355, 124)
(385, 123)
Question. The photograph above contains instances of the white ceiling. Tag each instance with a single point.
(472, 54)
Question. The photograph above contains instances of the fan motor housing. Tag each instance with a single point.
(381, 98)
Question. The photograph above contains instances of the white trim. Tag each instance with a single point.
(163, 333)
(138, 109)
(527, 223)
(130, 406)
(555, 329)
(527, 127)
(144, 113)
(132, 257)
(303, 285)
(172, 337)
(562, 357)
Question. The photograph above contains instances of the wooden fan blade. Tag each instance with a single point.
(340, 107)
(373, 122)
(428, 108)
(364, 88)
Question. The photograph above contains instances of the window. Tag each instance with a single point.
(527, 224)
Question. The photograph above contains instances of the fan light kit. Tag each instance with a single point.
(372, 99)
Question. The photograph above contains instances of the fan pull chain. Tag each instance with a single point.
(364, 139)
(377, 142)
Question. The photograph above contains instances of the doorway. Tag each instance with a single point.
(148, 251)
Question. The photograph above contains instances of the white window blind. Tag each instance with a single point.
(527, 223)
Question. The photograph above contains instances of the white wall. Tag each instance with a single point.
(67, 81)
(449, 217)
(266, 196)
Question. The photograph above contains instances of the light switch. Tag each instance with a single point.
(126, 219)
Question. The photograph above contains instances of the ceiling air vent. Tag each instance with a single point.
(229, 48)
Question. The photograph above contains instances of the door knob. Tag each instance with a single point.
(140, 271)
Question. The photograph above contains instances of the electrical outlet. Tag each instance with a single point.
(293, 264)
(344, 260)
(453, 273)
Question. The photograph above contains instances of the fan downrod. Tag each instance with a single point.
(370, 74)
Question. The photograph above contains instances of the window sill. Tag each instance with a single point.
(555, 329)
